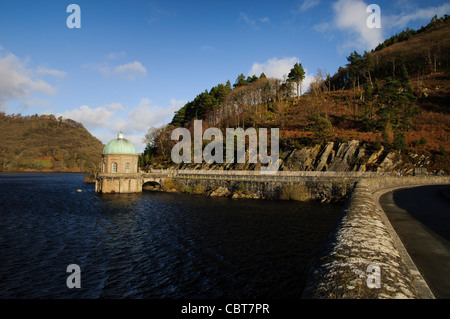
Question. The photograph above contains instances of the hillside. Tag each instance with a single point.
(44, 143)
(395, 97)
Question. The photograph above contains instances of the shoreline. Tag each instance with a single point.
(45, 171)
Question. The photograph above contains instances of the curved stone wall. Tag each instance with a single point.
(364, 257)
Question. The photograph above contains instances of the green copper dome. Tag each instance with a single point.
(119, 145)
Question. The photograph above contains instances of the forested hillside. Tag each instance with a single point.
(45, 143)
(396, 97)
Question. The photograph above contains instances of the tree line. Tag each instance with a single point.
(223, 100)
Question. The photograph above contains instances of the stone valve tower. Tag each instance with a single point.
(119, 168)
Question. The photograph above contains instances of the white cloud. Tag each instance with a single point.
(307, 4)
(17, 81)
(309, 78)
(351, 16)
(116, 55)
(252, 23)
(91, 118)
(146, 115)
(244, 17)
(115, 106)
(46, 71)
(130, 71)
(322, 27)
(274, 68)
(402, 20)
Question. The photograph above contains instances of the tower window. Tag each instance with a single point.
(127, 168)
(114, 167)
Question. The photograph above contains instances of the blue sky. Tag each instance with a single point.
(133, 63)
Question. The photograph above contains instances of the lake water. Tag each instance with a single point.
(152, 245)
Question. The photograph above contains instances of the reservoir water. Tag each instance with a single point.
(152, 245)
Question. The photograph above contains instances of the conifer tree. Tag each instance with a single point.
(297, 75)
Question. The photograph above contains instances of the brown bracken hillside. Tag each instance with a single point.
(44, 143)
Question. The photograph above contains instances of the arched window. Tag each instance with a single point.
(114, 167)
(127, 168)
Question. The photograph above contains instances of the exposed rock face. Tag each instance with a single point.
(322, 163)
(348, 156)
(344, 154)
(303, 159)
(390, 162)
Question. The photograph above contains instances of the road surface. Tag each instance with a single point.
(421, 218)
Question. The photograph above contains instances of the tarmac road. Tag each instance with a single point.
(421, 218)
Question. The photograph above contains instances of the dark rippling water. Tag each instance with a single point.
(152, 245)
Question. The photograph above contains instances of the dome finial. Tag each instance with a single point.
(120, 135)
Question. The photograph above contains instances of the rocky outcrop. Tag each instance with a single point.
(351, 156)
(219, 192)
(302, 159)
(322, 162)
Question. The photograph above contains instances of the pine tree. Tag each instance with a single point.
(354, 67)
(321, 128)
(179, 117)
(297, 75)
(240, 81)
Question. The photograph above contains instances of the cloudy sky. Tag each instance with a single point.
(133, 63)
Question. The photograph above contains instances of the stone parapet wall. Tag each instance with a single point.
(364, 239)
(277, 174)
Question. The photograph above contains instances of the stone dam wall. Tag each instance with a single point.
(330, 187)
(363, 238)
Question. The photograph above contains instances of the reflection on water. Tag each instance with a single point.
(152, 245)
